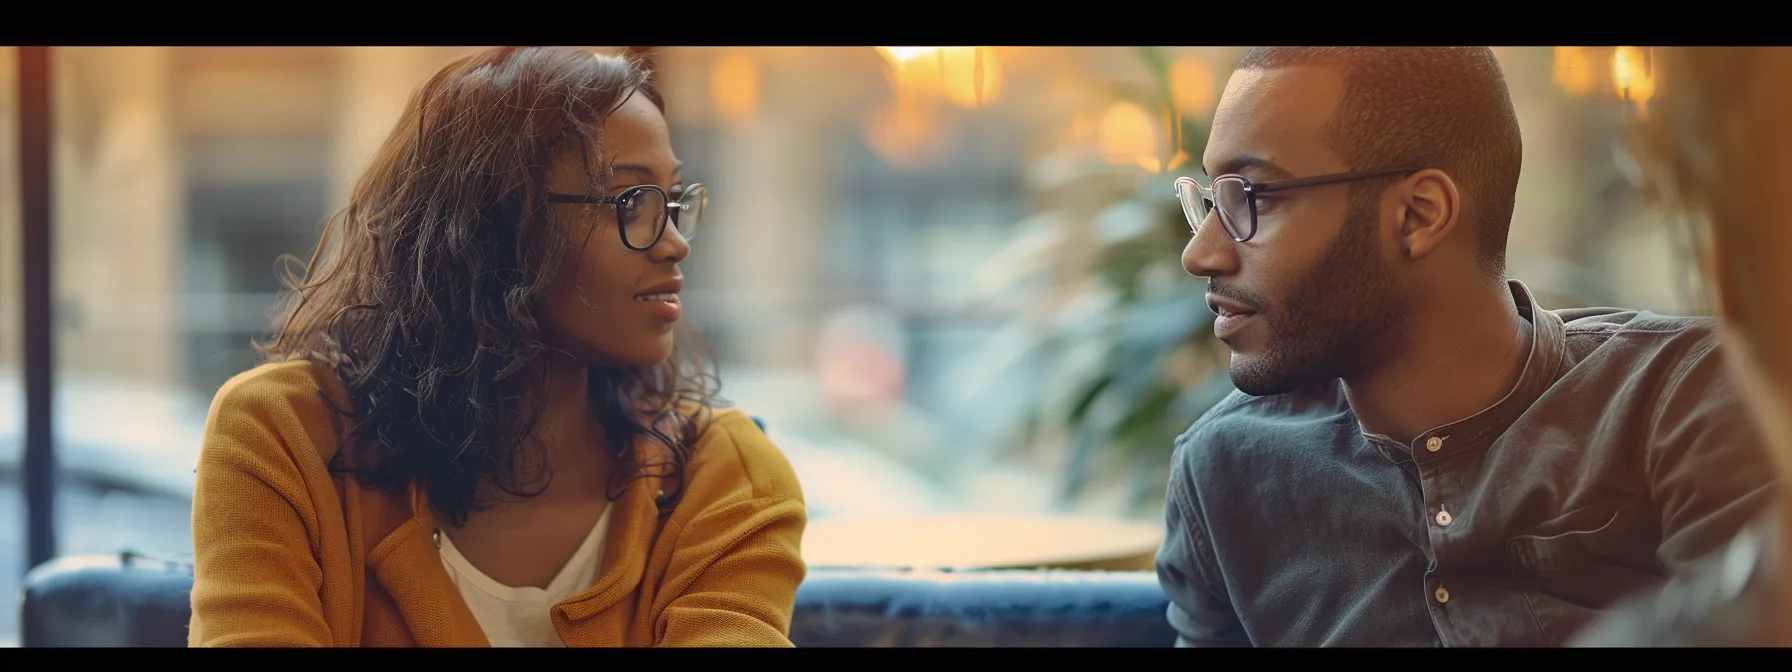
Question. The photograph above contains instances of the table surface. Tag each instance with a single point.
(982, 541)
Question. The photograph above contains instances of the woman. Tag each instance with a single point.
(1715, 142)
(474, 426)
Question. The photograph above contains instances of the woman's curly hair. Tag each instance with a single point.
(422, 293)
(1703, 156)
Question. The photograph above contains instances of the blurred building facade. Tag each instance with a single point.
(183, 173)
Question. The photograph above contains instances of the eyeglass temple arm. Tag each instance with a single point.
(1280, 185)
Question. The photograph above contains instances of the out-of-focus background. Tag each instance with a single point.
(946, 278)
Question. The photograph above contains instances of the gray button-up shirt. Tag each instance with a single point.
(1727, 600)
(1620, 457)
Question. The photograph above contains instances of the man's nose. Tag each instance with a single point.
(1210, 252)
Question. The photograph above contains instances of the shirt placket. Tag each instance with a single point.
(1438, 522)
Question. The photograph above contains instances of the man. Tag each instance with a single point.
(1418, 454)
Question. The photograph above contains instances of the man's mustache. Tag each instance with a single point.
(1227, 292)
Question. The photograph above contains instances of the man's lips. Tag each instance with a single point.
(1233, 317)
(1225, 307)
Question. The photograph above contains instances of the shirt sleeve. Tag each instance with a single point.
(255, 580)
(1714, 489)
(745, 596)
(1709, 473)
(1199, 610)
(1726, 599)
(734, 573)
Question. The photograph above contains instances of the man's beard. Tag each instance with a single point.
(1330, 320)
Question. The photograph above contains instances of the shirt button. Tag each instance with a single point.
(1443, 518)
(1434, 443)
(1443, 596)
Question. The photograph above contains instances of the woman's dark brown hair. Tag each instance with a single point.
(1714, 144)
(1703, 143)
(422, 293)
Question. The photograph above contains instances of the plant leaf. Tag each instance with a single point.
(1080, 409)
(1123, 222)
(1157, 61)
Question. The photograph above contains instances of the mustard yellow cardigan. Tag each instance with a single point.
(288, 555)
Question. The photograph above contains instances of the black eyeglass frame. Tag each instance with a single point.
(667, 216)
(1187, 188)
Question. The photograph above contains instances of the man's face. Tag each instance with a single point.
(1306, 299)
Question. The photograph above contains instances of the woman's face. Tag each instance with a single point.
(612, 305)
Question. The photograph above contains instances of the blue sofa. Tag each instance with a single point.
(125, 600)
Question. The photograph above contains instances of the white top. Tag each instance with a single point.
(520, 616)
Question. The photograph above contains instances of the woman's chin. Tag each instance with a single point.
(647, 353)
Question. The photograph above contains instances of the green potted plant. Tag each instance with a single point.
(1121, 333)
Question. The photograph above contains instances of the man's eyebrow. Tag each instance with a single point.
(1259, 166)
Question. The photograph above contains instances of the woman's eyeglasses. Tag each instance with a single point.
(643, 211)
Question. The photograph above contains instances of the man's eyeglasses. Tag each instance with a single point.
(1235, 196)
(643, 211)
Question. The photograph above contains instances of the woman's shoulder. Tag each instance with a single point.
(275, 407)
(734, 448)
(289, 387)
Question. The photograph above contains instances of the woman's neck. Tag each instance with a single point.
(568, 430)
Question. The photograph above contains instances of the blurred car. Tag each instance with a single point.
(113, 434)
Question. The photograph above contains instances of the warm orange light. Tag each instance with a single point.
(970, 76)
(1079, 135)
(908, 134)
(915, 72)
(1178, 160)
(1573, 70)
(1632, 75)
(905, 134)
(1125, 136)
(734, 84)
(1191, 85)
(903, 55)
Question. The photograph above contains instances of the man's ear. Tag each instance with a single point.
(1427, 205)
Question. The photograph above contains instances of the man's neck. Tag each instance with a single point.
(1456, 361)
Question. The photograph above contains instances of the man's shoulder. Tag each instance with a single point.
(1628, 337)
(1667, 367)
(1242, 421)
(1605, 324)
